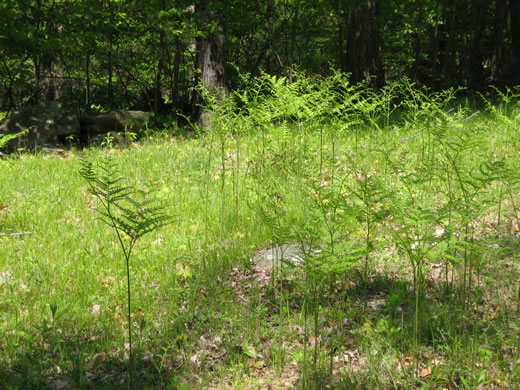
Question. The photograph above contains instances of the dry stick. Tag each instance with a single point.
(418, 132)
(16, 234)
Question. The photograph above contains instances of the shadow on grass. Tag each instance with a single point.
(72, 363)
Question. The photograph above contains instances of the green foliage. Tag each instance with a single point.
(5, 138)
(142, 54)
(403, 208)
(132, 214)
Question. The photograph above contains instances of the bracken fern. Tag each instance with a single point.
(131, 213)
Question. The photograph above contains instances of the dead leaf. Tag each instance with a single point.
(407, 361)
(95, 310)
(312, 341)
(425, 372)
(195, 359)
(435, 362)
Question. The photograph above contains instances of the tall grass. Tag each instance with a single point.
(402, 201)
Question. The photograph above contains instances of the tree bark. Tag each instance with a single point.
(363, 43)
(340, 37)
(475, 66)
(87, 86)
(210, 61)
(176, 70)
(449, 60)
(418, 42)
(514, 12)
(499, 56)
(435, 80)
(157, 93)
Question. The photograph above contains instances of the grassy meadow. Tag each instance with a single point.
(403, 202)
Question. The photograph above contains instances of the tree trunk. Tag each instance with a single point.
(499, 55)
(109, 57)
(176, 69)
(475, 58)
(157, 94)
(87, 75)
(363, 47)
(514, 12)
(341, 40)
(37, 79)
(435, 80)
(450, 54)
(418, 43)
(211, 64)
(270, 32)
(157, 88)
(37, 57)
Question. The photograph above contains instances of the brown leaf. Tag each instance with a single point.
(425, 372)
(312, 341)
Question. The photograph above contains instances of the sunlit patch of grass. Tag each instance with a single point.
(407, 217)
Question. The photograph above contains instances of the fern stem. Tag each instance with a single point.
(131, 356)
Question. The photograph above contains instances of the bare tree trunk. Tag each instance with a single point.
(498, 57)
(109, 59)
(87, 75)
(475, 58)
(38, 56)
(157, 94)
(514, 12)
(157, 90)
(270, 31)
(294, 26)
(51, 85)
(418, 42)
(363, 43)
(450, 54)
(341, 38)
(37, 79)
(435, 80)
(176, 70)
(110, 77)
(211, 64)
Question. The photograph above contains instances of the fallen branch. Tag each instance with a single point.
(418, 132)
(16, 234)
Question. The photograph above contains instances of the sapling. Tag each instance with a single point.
(131, 214)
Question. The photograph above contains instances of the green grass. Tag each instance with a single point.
(408, 216)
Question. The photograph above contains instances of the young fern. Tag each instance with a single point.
(131, 213)
(5, 138)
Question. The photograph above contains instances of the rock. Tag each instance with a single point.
(109, 140)
(61, 384)
(290, 253)
(48, 123)
(116, 121)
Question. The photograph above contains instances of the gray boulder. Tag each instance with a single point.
(116, 121)
(47, 124)
(275, 256)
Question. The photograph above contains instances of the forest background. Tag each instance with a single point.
(149, 55)
(350, 220)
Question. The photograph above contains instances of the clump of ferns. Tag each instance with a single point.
(131, 213)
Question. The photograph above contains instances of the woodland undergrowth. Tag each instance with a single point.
(403, 203)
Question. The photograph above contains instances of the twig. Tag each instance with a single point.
(469, 117)
(418, 132)
(16, 234)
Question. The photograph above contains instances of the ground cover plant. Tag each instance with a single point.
(403, 204)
